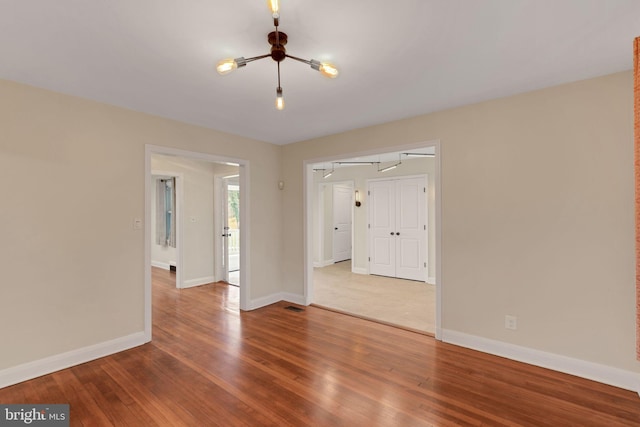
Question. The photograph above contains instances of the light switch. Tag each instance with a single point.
(137, 223)
(192, 219)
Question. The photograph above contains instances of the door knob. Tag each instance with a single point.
(335, 228)
(397, 234)
(391, 233)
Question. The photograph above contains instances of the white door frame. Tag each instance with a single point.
(308, 217)
(244, 169)
(179, 176)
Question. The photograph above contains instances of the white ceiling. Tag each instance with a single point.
(397, 59)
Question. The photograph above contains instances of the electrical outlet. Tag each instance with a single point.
(511, 322)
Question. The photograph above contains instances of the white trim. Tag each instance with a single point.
(431, 280)
(438, 282)
(616, 377)
(160, 264)
(277, 297)
(359, 270)
(307, 233)
(245, 232)
(198, 282)
(61, 361)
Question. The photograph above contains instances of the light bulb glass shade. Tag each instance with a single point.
(226, 66)
(279, 99)
(274, 7)
(326, 69)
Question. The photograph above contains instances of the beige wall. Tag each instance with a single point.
(537, 215)
(72, 264)
(537, 203)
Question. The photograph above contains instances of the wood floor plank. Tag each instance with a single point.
(209, 365)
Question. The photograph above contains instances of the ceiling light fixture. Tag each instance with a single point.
(419, 155)
(277, 40)
(388, 168)
(356, 163)
(329, 173)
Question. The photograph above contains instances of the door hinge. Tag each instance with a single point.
(424, 189)
(369, 259)
(368, 193)
(368, 225)
(425, 227)
(425, 265)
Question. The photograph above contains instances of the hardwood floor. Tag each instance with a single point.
(209, 365)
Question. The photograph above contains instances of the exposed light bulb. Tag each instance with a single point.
(226, 66)
(279, 99)
(328, 70)
(274, 7)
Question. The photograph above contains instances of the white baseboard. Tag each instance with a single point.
(160, 264)
(61, 361)
(431, 280)
(274, 298)
(197, 282)
(616, 377)
(264, 301)
(293, 298)
(359, 270)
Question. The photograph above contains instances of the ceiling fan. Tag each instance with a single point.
(277, 39)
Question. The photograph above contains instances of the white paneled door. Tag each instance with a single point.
(397, 228)
(341, 222)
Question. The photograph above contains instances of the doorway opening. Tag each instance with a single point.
(166, 222)
(356, 282)
(197, 239)
(231, 229)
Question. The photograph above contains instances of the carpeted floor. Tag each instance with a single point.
(400, 302)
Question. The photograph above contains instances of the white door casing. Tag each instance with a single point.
(397, 228)
(342, 222)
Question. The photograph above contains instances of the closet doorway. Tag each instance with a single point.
(397, 227)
